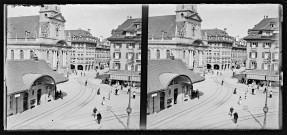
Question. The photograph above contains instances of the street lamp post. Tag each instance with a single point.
(265, 109)
(129, 109)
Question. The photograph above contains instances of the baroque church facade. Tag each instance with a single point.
(42, 35)
(178, 36)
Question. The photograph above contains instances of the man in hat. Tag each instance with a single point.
(235, 117)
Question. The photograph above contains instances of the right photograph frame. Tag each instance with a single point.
(209, 69)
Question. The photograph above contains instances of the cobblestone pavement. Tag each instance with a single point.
(211, 110)
(75, 110)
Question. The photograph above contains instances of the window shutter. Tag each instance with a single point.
(113, 55)
(250, 44)
(120, 45)
(114, 65)
(262, 66)
(127, 45)
(249, 54)
(272, 68)
(137, 56)
(264, 45)
(119, 65)
(255, 54)
(126, 66)
(255, 65)
(249, 64)
(262, 54)
(134, 45)
(119, 55)
(273, 55)
(114, 45)
(136, 68)
(256, 44)
(127, 55)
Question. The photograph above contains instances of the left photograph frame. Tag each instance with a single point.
(72, 67)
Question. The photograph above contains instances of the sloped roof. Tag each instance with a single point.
(21, 24)
(214, 32)
(17, 69)
(78, 33)
(159, 24)
(263, 25)
(167, 67)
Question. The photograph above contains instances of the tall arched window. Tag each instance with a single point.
(31, 54)
(48, 55)
(157, 54)
(167, 54)
(149, 54)
(21, 54)
(12, 54)
(183, 54)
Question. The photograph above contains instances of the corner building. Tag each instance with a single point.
(125, 48)
(263, 52)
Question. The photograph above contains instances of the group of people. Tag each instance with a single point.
(99, 116)
(235, 115)
(59, 94)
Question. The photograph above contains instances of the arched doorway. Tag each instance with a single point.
(72, 66)
(208, 66)
(80, 67)
(216, 66)
(225, 67)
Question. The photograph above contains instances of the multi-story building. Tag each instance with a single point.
(102, 56)
(83, 51)
(42, 35)
(219, 50)
(263, 51)
(125, 52)
(238, 53)
(179, 36)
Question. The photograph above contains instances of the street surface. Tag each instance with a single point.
(211, 110)
(75, 110)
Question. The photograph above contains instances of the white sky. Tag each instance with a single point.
(101, 19)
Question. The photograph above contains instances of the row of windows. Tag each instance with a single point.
(129, 55)
(265, 55)
(128, 45)
(22, 54)
(117, 66)
(266, 45)
(264, 66)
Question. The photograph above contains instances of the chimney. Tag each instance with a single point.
(128, 17)
(266, 16)
(248, 31)
(89, 30)
(35, 57)
(113, 31)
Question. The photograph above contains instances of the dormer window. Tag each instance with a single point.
(254, 45)
(267, 45)
(272, 25)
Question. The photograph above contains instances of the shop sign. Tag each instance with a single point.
(17, 95)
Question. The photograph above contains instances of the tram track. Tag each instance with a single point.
(187, 110)
(52, 110)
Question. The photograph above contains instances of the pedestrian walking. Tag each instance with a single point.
(84, 74)
(231, 111)
(222, 82)
(95, 111)
(270, 94)
(99, 118)
(239, 101)
(235, 117)
(81, 73)
(265, 90)
(234, 92)
(86, 83)
(197, 93)
(134, 95)
(121, 87)
(109, 97)
(252, 91)
(103, 102)
(99, 92)
(245, 95)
